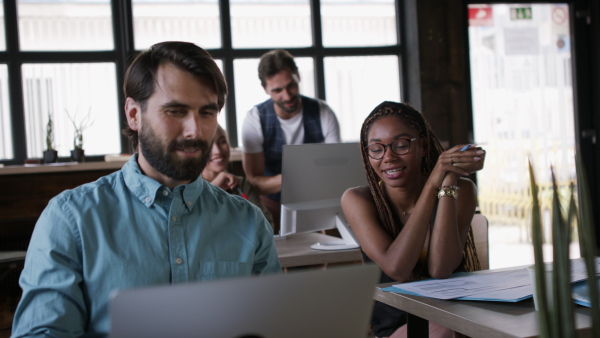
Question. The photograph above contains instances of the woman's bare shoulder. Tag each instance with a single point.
(357, 193)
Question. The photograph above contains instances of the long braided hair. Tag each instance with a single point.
(386, 217)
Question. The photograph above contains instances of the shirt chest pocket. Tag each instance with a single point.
(218, 270)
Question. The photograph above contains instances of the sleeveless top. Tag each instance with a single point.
(273, 134)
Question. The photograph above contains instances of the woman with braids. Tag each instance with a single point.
(413, 220)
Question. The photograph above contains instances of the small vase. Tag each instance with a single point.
(77, 155)
(50, 156)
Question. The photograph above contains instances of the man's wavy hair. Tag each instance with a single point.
(140, 77)
(274, 61)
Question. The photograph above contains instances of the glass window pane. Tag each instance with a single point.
(352, 23)
(85, 91)
(196, 21)
(355, 85)
(522, 95)
(2, 35)
(65, 25)
(249, 92)
(222, 118)
(270, 23)
(6, 145)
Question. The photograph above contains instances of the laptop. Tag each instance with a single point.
(336, 302)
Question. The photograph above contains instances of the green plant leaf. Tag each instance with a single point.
(50, 133)
(562, 309)
(540, 278)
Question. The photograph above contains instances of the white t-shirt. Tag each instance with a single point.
(293, 129)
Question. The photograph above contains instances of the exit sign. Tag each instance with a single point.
(521, 13)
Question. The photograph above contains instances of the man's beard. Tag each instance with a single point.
(292, 110)
(163, 158)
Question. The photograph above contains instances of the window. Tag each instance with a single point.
(357, 84)
(195, 21)
(270, 24)
(523, 109)
(65, 25)
(72, 93)
(2, 35)
(71, 56)
(358, 23)
(5, 121)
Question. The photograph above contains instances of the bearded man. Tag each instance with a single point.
(155, 221)
(286, 118)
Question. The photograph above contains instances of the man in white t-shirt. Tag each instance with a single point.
(286, 118)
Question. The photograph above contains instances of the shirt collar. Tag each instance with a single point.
(145, 189)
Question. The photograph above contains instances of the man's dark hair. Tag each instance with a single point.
(140, 77)
(272, 62)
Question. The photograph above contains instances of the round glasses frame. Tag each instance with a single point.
(405, 148)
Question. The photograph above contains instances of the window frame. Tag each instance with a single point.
(122, 24)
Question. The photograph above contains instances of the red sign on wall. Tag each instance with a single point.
(480, 16)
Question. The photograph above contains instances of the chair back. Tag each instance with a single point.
(479, 225)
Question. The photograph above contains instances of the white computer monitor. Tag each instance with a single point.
(314, 177)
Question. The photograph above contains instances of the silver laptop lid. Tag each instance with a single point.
(336, 302)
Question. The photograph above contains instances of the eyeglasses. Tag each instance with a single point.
(400, 146)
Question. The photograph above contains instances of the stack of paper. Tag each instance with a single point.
(502, 285)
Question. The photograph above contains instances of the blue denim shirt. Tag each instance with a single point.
(126, 230)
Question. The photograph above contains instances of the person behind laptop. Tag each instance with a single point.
(155, 221)
(216, 173)
(413, 220)
(286, 118)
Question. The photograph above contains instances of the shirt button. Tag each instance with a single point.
(178, 261)
(148, 199)
(165, 193)
(189, 202)
(174, 218)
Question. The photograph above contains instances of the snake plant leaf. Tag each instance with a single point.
(540, 278)
(573, 212)
(562, 309)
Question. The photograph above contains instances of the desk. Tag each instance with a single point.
(295, 250)
(476, 318)
(10, 257)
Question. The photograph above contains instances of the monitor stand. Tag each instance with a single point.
(348, 241)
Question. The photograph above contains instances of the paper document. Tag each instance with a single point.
(469, 284)
(508, 284)
(581, 292)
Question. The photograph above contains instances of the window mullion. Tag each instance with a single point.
(319, 52)
(227, 57)
(14, 82)
(124, 48)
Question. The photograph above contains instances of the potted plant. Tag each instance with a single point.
(78, 154)
(50, 154)
(555, 315)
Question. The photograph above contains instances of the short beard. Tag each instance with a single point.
(286, 109)
(164, 160)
